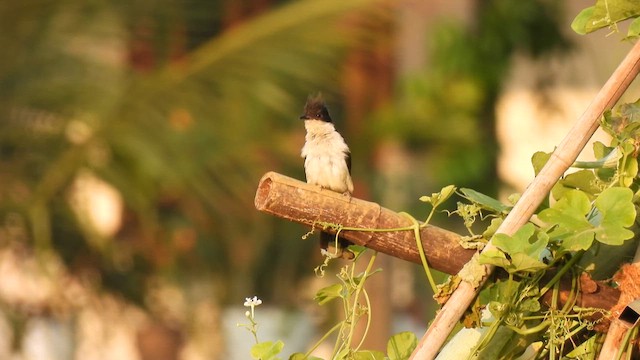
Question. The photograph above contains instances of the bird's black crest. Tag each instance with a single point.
(315, 108)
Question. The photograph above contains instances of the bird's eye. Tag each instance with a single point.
(319, 115)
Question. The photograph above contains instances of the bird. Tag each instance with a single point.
(327, 163)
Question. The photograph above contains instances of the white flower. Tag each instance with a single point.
(252, 302)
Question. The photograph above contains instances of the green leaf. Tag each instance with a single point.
(618, 213)
(579, 23)
(576, 242)
(494, 257)
(436, 199)
(301, 356)
(267, 350)
(328, 293)
(492, 228)
(368, 355)
(586, 350)
(502, 291)
(627, 147)
(516, 243)
(497, 309)
(629, 172)
(604, 13)
(356, 249)
(529, 259)
(609, 12)
(568, 216)
(584, 180)
(634, 28)
(539, 160)
(523, 254)
(529, 305)
(628, 165)
(401, 345)
(600, 150)
(569, 211)
(486, 202)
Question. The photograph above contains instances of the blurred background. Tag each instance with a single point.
(133, 135)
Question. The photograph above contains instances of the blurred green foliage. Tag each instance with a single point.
(182, 111)
(179, 112)
(445, 112)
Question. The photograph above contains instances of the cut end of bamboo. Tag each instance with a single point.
(264, 189)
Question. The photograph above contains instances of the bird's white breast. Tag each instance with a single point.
(325, 153)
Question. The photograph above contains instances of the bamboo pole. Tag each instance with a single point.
(618, 329)
(306, 204)
(564, 155)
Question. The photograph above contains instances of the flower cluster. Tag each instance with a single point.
(252, 303)
(253, 325)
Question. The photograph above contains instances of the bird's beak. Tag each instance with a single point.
(304, 117)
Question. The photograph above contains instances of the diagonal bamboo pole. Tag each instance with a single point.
(564, 155)
(613, 342)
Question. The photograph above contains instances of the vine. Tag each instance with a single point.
(591, 208)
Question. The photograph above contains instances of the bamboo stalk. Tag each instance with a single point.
(306, 204)
(564, 155)
(613, 341)
(618, 328)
